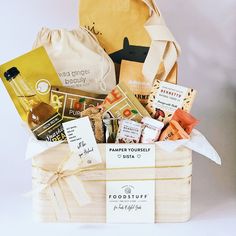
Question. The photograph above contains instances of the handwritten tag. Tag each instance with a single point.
(82, 141)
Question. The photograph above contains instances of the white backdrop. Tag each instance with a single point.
(206, 32)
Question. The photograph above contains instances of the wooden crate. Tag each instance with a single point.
(173, 188)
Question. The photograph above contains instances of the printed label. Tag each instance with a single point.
(170, 97)
(70, 106)
(131, 201)
(81, 78)
(51, 130)
(129, 131)
(81, 140)
(123, 104)
(131, 74)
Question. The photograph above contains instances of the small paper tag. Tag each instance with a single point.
(133, 200)
(81, 140)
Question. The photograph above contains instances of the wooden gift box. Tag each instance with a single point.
(173, 187)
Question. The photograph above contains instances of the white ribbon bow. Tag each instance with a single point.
(52, 181)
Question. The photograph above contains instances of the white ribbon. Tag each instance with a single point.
(164, 50)
(52, 181)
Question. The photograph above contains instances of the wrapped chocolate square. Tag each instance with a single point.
(180, 126)
(186, 120)
(166, 98)
(129, 132)
(151, 130)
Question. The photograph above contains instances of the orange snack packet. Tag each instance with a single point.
(173, 132)
(186, 121)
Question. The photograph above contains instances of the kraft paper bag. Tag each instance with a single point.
(133, 30)
(131, 75)
(79, 60)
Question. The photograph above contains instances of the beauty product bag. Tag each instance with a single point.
(133, 30)
(78, 59)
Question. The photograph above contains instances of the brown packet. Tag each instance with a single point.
(71, 102)
(131, 74)
(166, 98)
(173, 132)
(95, 117)
(121, 103)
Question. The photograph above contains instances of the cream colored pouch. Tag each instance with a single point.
(78, 59)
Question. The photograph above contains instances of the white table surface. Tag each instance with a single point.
(206, 31)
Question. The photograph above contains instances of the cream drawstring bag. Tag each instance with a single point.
(78, 59)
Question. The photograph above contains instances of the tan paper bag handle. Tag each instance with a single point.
(164, 49)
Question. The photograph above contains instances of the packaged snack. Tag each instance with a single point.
(79, 60)
(186, 121)
(95, 117)
(71, 102)
(131, 74)
(151, 130)
(121, 103)
(111, 129)
(173, 132)
(129, 132)
(38, 73)
(166, 98)
(43, 120)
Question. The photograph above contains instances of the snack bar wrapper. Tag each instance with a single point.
(121, 103)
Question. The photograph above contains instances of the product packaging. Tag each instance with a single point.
(166, 98)
(131, 75)
(71, 102)
(186, 121)
(38, 73)
(151, 130)
(129, 132)
(121, 103)
(173, 132)
(95, 117)
(42, 119)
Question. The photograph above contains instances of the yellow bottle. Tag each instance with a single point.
(43, 120)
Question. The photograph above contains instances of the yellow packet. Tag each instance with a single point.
(39, 72)
(69, 102)
(121, 103)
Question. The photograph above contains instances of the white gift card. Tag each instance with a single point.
(82, 141)
(132, 200)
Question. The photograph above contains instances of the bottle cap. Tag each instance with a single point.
(11, 73)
